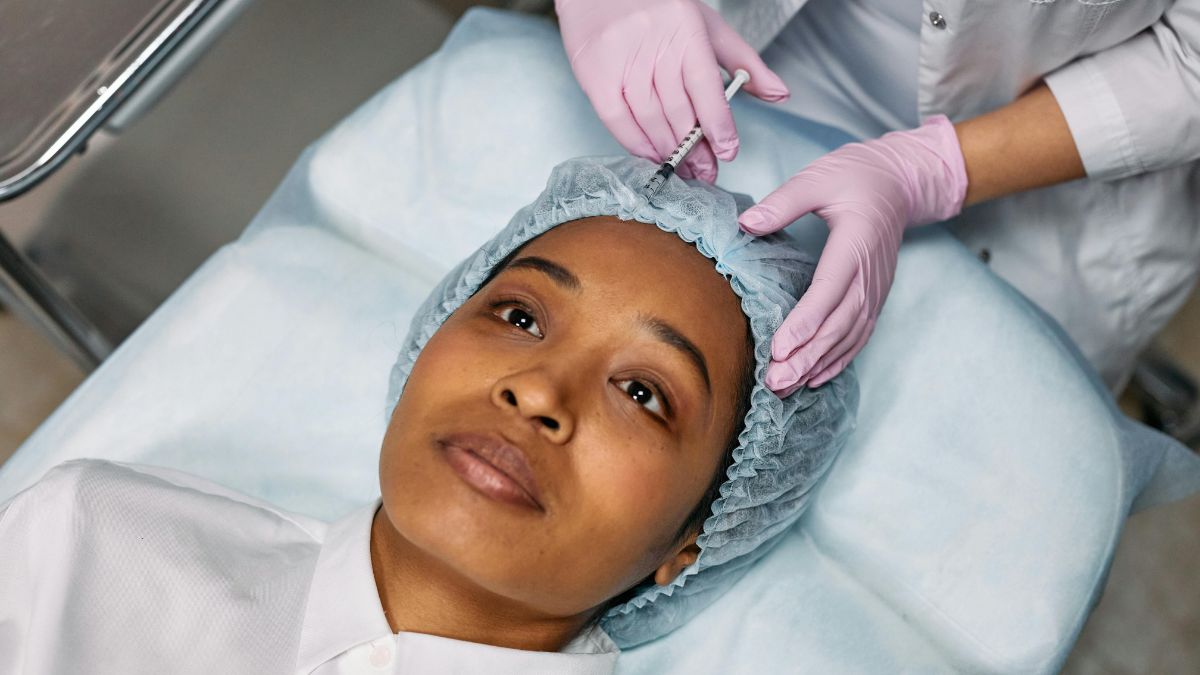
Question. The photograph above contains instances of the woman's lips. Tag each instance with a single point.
(493, 467)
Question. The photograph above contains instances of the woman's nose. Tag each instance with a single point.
(539, 399)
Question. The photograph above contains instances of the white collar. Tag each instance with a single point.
(344, 611)
(343, 607)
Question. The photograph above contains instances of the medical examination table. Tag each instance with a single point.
(968, 526)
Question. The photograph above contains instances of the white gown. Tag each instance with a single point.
(119, 568)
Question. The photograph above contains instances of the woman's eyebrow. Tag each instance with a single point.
(561, 275)
(668, 334)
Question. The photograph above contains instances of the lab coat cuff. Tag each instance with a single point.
(1098, 126)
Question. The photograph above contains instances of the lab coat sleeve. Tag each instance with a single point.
(1135, 107)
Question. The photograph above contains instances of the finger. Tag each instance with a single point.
(732, 52)
(832, 331)
(677, 106)
(838, 366)
(643, 99)
(702, 79)
(825, 294)
(840, 353)
(834, 369)
(782, 378)
(790, 390)
(703, 163)
(801, 194)
(616, 116)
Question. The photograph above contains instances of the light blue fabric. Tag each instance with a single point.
(784, 446)
(967, 526)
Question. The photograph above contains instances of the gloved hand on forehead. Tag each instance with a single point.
(651, 69)
(868, 193)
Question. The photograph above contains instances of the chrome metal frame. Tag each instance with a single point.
(22, 287)
(28, 294)
(108, 98)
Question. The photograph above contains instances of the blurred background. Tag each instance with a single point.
(120, 226)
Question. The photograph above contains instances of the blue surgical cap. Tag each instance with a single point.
(785, 446)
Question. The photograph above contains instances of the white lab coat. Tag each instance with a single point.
(1112, 257)
(118, 568)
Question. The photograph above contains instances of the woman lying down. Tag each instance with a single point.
(581, 456)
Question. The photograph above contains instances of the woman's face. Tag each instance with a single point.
(608, 355)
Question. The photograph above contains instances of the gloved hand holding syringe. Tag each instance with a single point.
(694, 136)
(651, 69)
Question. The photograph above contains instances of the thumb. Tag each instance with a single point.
(732, 52)
(782, 207)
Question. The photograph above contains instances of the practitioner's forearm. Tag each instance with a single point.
(1024, 145)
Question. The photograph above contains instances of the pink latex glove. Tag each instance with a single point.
(868, 193)
(651, 69)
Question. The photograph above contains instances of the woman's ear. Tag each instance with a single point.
(685, 555)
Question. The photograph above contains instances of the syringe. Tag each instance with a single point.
(664, 172)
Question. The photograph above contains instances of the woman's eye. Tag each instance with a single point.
(521, 319)
(643, 395)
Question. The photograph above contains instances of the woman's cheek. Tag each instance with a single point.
(455, 361)
(445, 345)
(639, 493)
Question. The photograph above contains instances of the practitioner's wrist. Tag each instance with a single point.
(935, 169)
(1021, 146)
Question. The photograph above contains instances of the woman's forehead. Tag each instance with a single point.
(602, 241)
(637, 259)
